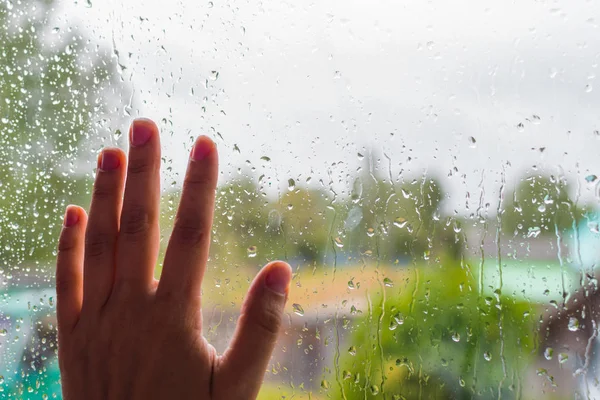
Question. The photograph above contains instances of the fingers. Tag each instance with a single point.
(247, 358)
(103, 227)
(137, 243)
(69, 268)
(187, 252)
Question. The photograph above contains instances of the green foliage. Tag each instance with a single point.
(539, 204)
(51, 88)
(434, 337)
(400, 220)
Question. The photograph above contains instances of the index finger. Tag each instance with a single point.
(187, 251)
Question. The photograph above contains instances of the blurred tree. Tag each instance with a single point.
(52, 87)
(434, 338)
(538, 205)
(397, 220)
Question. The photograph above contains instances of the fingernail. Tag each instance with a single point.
(279, 277)
(109, 160)
(71, 216)
(141, 131)
(202, 148)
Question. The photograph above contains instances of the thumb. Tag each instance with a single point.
(246, 359)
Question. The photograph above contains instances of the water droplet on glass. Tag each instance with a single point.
(593, 227)
(352, 350)
(549, 353)
(472, 142)
(563, 357)
(214, 75)
(338, 242)
(573, 324)
(360, 156)
(487, 356)
(325, 384)
(456, 337)
(374, 390)
(298, 309)
(534, 232)
(351, 284)
(251, 251)
(370, 232)
(400, 222)
(591, 178)
(388, 282)
(265, 158)
(3, 332)
(291, 184)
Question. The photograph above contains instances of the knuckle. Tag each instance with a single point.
(199, 181)
(139, 165)
(189, 232)
(135, 221)
(102, 190)
(65, 243)
(97, 243)
(64, 283)
(267, 318)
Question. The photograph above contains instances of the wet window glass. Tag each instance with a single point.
(428, 169)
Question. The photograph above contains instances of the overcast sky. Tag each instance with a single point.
(312, 84)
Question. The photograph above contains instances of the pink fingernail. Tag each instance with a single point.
(202, 148)
(279, 277)
(141, 131)
(71, 217)
(109, 160)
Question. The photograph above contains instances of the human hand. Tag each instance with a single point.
(124, 335)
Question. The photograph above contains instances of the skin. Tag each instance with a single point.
(123, 334)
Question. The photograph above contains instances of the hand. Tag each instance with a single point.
(124, 335)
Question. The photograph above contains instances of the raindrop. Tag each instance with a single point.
(352, 350)
(388, 282)
(593, 227)
(214, 75)
(374, 390)
(117, 135)
(88, 3)
(298, 309)
(456, 337)
(357, 190)
(573, 324)
(562, 358)
(338, 242)
(487, 356)
(351, 284)
(534, 232)
(400, 222)
(265, 158)
(472, 142)
(251, 251)
(549, 353)
(354, 217)
(360, 156)
(591, 178)
(325, 384)
(291, 185)
(370, 232)
(3, 332)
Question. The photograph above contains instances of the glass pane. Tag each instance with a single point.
(428, 169)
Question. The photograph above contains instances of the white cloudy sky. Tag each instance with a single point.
(311, 84)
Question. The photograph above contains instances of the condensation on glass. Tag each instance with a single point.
(429, 170)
